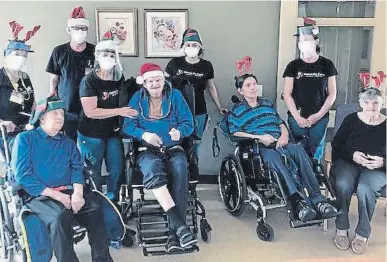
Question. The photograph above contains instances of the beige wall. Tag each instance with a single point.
(230, 30)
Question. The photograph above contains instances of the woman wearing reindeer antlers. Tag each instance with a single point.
(16, 92)
(359, 155)
(309, 91)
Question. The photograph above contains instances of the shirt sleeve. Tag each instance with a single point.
(76, 165)
(53, 64)
(131, 126)
(21, 164)
(184, 116)
(86, 89)
(331, 69)
(340, 149)
(170, 67)
(211, 73)
(289, 70)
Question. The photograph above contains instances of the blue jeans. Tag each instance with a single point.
(305, 171)
(366, 183)
(172, 172)
(112, 150)
(201, 122)
(315, 136)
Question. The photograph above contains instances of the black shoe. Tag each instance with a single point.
(186, 237)
(173, 243)
(326, 210)
(305, 212)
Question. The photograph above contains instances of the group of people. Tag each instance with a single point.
(80, 119)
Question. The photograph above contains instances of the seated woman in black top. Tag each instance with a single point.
(359, 152)
(16, 92)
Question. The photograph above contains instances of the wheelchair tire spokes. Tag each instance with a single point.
(232, 185)
(6, 249)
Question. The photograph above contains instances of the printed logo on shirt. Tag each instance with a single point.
(187, 73)
(309, 75)
(106, 95)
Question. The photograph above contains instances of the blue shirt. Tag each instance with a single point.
(260, 120)
(40, 161)
(175, 114)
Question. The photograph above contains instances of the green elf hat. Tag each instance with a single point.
(46, 105)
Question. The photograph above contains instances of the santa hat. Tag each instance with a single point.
(107, 43)
(147, 71)
(16, 43)
(78, 18)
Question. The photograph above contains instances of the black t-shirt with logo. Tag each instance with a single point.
(107, 93)
(310, 88)
(70, 66)
(12, 102)
(197, 74)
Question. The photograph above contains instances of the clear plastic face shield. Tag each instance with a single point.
(307, 44)
(108, 60)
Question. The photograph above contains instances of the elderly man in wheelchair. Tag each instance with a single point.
(49, 168)
(256, 118)
(163, 122)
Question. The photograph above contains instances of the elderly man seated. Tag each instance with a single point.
(49, 167)
(164, 119)
(257, 119)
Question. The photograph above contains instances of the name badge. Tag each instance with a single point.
(17, 98)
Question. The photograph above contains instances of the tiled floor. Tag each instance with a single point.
(234, 239)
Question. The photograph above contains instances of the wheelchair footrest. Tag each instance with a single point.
(163, 251)
(299, 223)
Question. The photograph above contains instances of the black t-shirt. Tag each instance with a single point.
(310, 88)
(10, 108)
(197, 74)
(355, 135)
(70, 66)
(107, 93)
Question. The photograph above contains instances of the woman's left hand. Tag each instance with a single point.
(313, 119)
(223, 110)
(376, 162)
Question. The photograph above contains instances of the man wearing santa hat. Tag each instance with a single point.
(67, 66)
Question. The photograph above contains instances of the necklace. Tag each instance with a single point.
(26, 95)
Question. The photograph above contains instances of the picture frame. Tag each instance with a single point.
(164, 29)
(122, 22)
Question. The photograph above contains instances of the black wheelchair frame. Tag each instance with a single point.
(152, 222)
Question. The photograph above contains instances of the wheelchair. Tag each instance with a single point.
(14, 230)
(151, 221)
(244, 178)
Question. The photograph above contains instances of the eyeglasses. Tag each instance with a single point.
(108, 54)
(77, 28)
(19, 53)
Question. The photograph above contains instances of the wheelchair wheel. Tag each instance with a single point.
(6, 226)
(265, 232)
(232, 185)
(128, 240)
(205, 230)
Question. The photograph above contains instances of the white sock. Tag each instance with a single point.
(361, 238)
(342, 233)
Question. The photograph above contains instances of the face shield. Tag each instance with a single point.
(306, 40)
(107, 58)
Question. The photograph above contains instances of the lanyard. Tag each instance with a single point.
(15, 85)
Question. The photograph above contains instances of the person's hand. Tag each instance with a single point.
(29, 127)
(223, 110)
(361, 158)
(175, 134)
(152, 138)
(376, 162)
(282, 141)
(64, 199)
(127, 112)
(9, 125)
(302, 122)
(312, 119)
(77, 202)
(267, 140)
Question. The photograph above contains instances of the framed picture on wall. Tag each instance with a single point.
(122, 23)
(163, 31)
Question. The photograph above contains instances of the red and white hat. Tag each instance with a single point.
(147, 71)
(78, 17)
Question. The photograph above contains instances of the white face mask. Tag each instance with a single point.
(307, 48)
(15, 62)
(78, 36)
(191, 51)
(106, 63)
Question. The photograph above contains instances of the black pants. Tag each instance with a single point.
(59, 221)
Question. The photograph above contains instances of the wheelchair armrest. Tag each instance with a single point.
(328, 153)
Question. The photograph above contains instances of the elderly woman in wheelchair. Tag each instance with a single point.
(359, 154)
(163, 122)
(49, 168)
